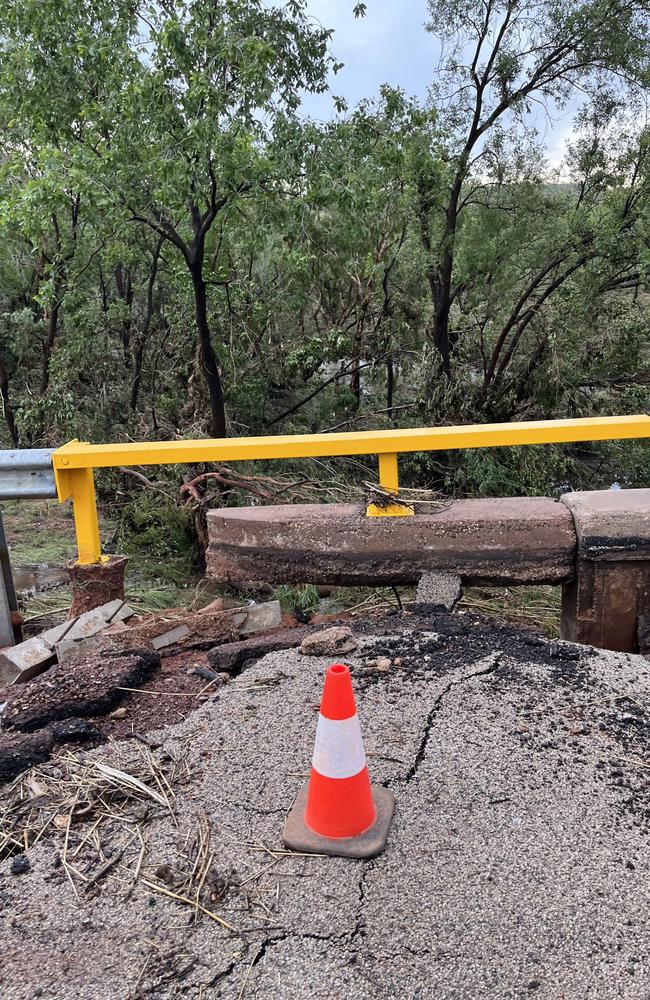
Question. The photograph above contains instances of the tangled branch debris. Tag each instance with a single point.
(100, 809)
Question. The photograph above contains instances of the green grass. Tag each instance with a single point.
(535, 606)
(42, 533)
(39, 531)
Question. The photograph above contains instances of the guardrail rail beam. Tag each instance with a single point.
(74, 462)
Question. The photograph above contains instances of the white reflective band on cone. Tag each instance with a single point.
(339, 752)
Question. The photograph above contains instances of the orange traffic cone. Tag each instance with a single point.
(338, 812)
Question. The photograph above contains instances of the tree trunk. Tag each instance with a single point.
(138, 358)
(390, 387)
(207, 356)
(441, 338)
(6, 405)
(355, 381)
(138, 352)
(50, 339)
(125, 290)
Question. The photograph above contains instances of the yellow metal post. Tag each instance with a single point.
(78, 485)
(85, 516)
(389, 481)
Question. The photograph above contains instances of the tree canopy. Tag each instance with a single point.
(184, 252)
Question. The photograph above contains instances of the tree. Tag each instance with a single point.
(189, 128)
(501, 59)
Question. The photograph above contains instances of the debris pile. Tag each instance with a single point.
(111, 674)
(115, 625)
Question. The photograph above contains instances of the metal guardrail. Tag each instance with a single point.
(67, 472)
(74, 463)
(27, 474)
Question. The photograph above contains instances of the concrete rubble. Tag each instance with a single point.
(329, 642)
(115, 626)
(517, 864)
(28, 659)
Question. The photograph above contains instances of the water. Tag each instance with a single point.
(34, 578)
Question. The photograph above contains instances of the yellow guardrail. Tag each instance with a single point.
(74, 462)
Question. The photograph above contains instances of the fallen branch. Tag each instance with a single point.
(142, 479)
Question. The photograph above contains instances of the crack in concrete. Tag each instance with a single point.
(435, 711)
(356, 936)
(359, 930)
(286, 935)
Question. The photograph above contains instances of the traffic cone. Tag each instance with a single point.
(338, 812)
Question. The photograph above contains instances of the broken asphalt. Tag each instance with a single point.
(516, 865)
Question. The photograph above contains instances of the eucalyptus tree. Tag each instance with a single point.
(501, 60)
(161, 120)
(190, 127)
(55, 59)
(352, 224)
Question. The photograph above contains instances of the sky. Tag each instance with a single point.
(391, 46)
(388, 45)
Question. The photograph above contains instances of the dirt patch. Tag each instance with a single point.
(433, 642)
(166, 699)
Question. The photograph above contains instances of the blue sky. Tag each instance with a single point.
(391, 46)
(388, 45)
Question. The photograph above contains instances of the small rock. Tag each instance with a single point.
(205, 673)
(329, 642)
(216, 605)
(19, 865)
(165, 873)
(397, 662)
(383, 664)
(119, 713)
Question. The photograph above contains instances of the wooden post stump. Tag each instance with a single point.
(97, 583)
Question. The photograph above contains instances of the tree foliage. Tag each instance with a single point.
(184, 252)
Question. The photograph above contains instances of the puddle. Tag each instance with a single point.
(37, 577)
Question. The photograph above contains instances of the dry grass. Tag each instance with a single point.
(100, 810)
(536, 606)
(98, 816)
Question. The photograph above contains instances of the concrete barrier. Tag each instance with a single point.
(597, 545)
(610, 592)
(483, 541)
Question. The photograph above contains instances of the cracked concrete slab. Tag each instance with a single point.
(516, 865)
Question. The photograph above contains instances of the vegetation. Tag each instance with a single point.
(183, 253)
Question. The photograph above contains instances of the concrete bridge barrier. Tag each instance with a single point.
(597, 545)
